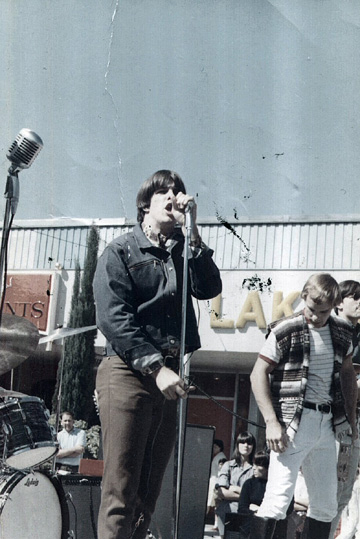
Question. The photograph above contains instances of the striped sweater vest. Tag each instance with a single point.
(289, 378)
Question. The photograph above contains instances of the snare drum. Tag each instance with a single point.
(32, 505)
(26, 438)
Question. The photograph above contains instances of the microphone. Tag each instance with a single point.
(24, 150)
(189, 205)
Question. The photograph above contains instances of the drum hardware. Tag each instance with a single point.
(7, 430)
(18, 340)
(26, 438)
(64, 332)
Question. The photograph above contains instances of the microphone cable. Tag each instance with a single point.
(190, 382)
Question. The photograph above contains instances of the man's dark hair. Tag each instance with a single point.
(159, 180)
(349, 289)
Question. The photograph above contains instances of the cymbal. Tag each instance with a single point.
(18, 340)
(8, 393)
(64, 332)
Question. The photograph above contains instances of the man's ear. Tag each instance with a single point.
(340, 307)
(146, 210)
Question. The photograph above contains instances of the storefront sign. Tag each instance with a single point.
(236, 320)
(28, 296)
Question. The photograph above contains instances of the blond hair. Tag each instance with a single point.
(322, 288)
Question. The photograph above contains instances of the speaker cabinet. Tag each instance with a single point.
(233, 522)
(83, 495)
(194, 488)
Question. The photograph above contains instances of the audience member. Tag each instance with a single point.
(218, 456)
(350, 518)
(348, 449)
(232, 476)
(72, 443)
(252, 492)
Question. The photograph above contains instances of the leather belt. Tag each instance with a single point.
(324, 408)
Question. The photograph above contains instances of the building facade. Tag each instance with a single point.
(263, 262)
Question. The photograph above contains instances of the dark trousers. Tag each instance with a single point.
(139, 428)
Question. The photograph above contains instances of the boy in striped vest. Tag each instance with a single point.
(305, 386)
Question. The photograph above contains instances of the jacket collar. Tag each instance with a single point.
(144, 243)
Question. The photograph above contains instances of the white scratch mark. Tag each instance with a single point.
(108, 91)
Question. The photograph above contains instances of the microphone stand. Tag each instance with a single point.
(12, 198)
(58, 402)
(183, 370)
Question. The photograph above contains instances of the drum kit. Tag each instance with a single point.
(32, 501)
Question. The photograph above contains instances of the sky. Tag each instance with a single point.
(255, 104)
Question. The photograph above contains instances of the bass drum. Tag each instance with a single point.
(32, 506)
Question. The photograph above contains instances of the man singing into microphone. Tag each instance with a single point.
(138, 294)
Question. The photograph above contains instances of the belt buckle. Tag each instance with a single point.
(324, 408)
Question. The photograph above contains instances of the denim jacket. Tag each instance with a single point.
(138, 292)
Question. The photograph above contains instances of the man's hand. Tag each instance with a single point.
(170, 384)
(354, 433)
(180, 205)
(276, 437)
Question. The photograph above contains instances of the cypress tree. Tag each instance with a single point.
(79, 352)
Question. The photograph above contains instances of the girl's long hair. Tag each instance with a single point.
(244, 437)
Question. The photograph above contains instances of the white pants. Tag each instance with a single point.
(313, 449)
(350, 519)
(345, 488)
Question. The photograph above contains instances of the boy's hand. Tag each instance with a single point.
(276, 437)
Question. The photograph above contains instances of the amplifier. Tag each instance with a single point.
(194, 488)
(232, 525)
(83, 495)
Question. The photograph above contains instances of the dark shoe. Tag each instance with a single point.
(318, 529)
(262, 528)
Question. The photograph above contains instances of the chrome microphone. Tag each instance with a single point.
(189, 205)
(24, 150)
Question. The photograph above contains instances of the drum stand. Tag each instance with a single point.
(6, 432)
(184, 369)
(58, 404)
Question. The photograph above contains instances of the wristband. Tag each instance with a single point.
(153, 367)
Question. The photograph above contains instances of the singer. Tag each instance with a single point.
(313, 383)
(138, 292)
